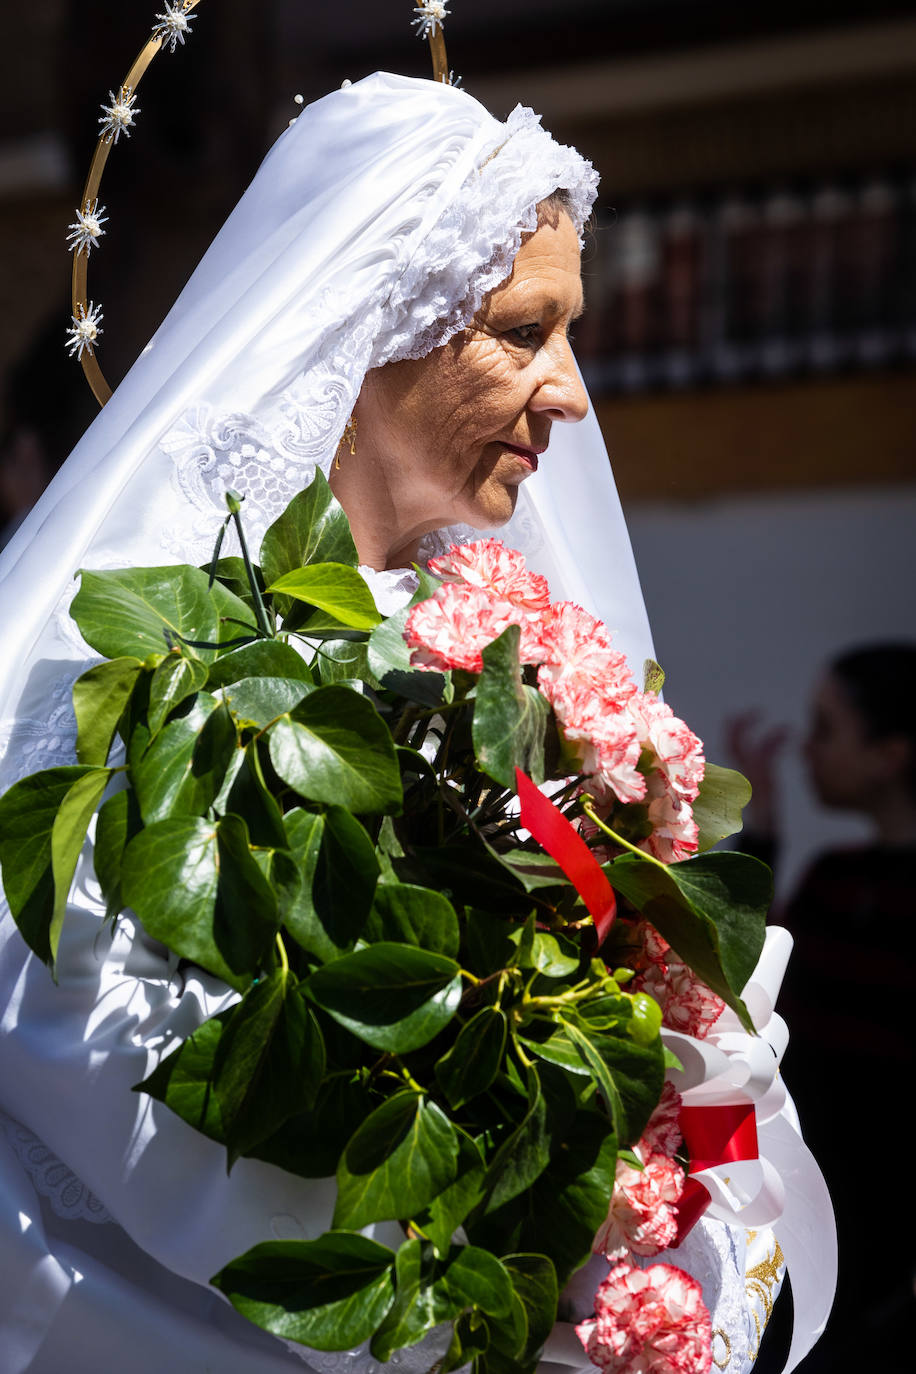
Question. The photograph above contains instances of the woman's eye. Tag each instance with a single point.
(526, 333)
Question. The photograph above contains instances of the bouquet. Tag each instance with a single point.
(450, 983)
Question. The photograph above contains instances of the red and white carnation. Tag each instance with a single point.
(648, 1321)
(678, 753)
(642, 1215)
(489, 565)
(687, 1004)
(663, 1135)
(675, 834)
(600, 739)
(575, 647)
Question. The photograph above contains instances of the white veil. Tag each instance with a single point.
(371, 232)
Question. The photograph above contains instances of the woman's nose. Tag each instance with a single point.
(562, 395)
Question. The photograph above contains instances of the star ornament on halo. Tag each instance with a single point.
(430, 16)
(173, 25)
(86, 229)
(118, 117)
(83, 333)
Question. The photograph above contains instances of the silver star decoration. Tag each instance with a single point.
(85, 330)
(429, 17)
(173, 25)
(118, 117)
(86, 229)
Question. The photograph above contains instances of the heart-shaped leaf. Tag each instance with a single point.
(392, 996)
(336, 749)
(329, 1294)
(400, 1158)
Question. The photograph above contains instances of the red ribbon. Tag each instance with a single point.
(720, 1134)
(563, 843)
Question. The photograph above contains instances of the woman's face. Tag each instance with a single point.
(848, 767)
(454, 434)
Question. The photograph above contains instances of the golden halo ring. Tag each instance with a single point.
(126, 91)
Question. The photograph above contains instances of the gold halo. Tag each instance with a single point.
(80, 304)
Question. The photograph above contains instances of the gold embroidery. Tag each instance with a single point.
(762, 1283)
(724, 1362)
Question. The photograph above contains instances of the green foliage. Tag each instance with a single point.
(420, 1015)
(723, 795)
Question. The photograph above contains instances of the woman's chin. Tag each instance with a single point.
(492, 508)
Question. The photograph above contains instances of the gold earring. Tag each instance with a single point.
(348, 437)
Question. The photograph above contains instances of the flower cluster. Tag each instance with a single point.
(629, 744)
(642, 1217)
(649, 1321)
(687, 1004)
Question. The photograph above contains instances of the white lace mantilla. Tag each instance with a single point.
(439, 283)
(68, 1196)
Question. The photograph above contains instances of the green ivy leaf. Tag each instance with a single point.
(311, 1143)
(196, 887)
(99, 699)
(329, 1294)
(534, 1282)
(263, 658)
(717, 809)
(711, 910)
(68, 834)
(312, 529)
(257, 701)
(177, 677)
(449, 1209)
(472, 1063)
(389, 660)
(430, 1292)
(335, 589)
(509, 717)
(399, 1159)
(336, 749)
(393, 997)
(524, 1153)
(136, 612)
(183, 1080)
(32, 854)
(119, 821)
(170, 776)
(561, 1211)
(27, 813)
(339, 873)
(413, 915)
(250, 798)
(269, 1063)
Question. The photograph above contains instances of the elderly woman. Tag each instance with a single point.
(391, 302)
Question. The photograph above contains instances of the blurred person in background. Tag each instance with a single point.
(847, 995)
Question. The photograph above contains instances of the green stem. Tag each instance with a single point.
(260, 610)
(618, 839)
(281, 948)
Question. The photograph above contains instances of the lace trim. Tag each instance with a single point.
(67, 1195)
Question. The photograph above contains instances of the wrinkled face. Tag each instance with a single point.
(848, 767)
(458, 431)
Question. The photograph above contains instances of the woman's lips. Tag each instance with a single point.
(529, 456)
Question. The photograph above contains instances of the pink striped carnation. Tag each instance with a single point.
(674, 831)
(687, 1004)
(678, 753)
(642, 1215)
(662, 1135)
(599, 738)
(649, 1321)
(577, 648)
(489, 565)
